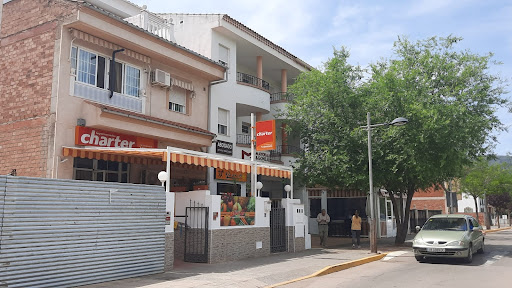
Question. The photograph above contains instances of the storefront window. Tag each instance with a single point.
(100, 170)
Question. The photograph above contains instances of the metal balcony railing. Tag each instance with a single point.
(244, 139)
(281, 97)
(252, 80)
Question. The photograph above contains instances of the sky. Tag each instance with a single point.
(309, 29)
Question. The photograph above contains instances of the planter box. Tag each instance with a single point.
(179, 189)
(201, 187)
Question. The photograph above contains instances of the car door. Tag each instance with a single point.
(476, 234)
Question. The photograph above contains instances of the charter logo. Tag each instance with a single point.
(86, 136)
(265, 135)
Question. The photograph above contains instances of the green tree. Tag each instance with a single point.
(449, 97)
(482, 179)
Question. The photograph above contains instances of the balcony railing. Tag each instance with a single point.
(153, 24)
(252, 80)
(244, 139)
(281, 97)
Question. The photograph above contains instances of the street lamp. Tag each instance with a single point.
(373, 222)
(259, 185)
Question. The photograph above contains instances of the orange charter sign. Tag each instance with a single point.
(87, 136)
(266, 135)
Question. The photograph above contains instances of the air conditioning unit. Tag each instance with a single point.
(160, 77)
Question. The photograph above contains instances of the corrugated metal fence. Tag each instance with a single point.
(66, 233)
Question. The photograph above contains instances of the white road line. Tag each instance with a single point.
(493, 260)
(393, 255)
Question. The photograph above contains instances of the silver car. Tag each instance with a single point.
(449, 236)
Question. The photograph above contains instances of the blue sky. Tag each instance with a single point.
(310, 29)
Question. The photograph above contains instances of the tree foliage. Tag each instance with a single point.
(449, 97)
(482, 179)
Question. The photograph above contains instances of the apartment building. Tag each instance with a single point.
(258, 74)
(99, 73)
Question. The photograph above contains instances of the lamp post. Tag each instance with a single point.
(373, 221)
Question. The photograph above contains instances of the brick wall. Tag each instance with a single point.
(28, 33)
(235, 244)
(434, 204)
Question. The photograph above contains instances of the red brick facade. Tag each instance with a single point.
(28, 34)
(430, 199)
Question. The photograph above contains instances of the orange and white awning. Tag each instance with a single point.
(157, 156)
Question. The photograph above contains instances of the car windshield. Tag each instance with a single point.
(453, 224)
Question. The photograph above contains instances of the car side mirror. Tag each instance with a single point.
(418, 228)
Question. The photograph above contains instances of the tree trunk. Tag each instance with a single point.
(476, 209)
(402, 224)
(498, 220)
(487, 216)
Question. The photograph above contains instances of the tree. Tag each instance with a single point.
(448, 96)
(482, 179)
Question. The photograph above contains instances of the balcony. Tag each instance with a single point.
(252, 81)
(102, 96)
(281, 97)
(153, 24)
(243, 139)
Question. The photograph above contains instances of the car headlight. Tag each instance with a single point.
(418, 242)
(456, 243)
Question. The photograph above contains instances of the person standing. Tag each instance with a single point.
(356, 230)
(323, 229)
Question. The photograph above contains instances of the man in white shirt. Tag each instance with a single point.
(323, 229)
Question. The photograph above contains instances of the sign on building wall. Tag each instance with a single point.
(223, 147)
(223, 174)
(265, 135)
(87, 136)
(260, 156)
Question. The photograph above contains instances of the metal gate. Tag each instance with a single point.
(277, 228)
(196, 234)
(67, 233)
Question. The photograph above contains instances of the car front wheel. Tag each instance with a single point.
(469, 258)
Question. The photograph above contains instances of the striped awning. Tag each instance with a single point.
(157, 156)
(182, 84)
(109, 45)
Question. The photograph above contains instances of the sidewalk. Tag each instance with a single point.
(258, 272)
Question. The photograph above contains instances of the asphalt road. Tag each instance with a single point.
(400, 269)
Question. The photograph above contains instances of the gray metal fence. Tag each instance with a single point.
(66, 233)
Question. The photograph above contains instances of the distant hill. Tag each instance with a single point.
(501, 159)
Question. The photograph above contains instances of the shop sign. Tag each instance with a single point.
(222, 174)
(260, 156)
(265, 135)
(237, 211)
(87, 136)
(223, 147)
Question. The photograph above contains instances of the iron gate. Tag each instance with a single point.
(196, 234)
(277, 228)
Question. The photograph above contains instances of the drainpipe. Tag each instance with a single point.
(112, 77)
(226, 77)
(1, 6)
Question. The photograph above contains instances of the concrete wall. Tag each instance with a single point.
(169, 252)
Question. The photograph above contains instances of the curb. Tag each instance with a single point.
(334, 268)
(497, 230)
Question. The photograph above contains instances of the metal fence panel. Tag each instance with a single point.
(66, 233)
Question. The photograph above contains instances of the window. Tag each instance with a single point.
(223, 55)
(315, 207)
(223, 122)
(93, 69)
(100, 170)
(178, 100)
(246, 127)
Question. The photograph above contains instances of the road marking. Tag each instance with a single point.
(393, 255)
(493, 259)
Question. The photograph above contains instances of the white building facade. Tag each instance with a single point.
(256, 81)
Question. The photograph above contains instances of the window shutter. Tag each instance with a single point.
(179, 96)
(223, 117)
(223, 54)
